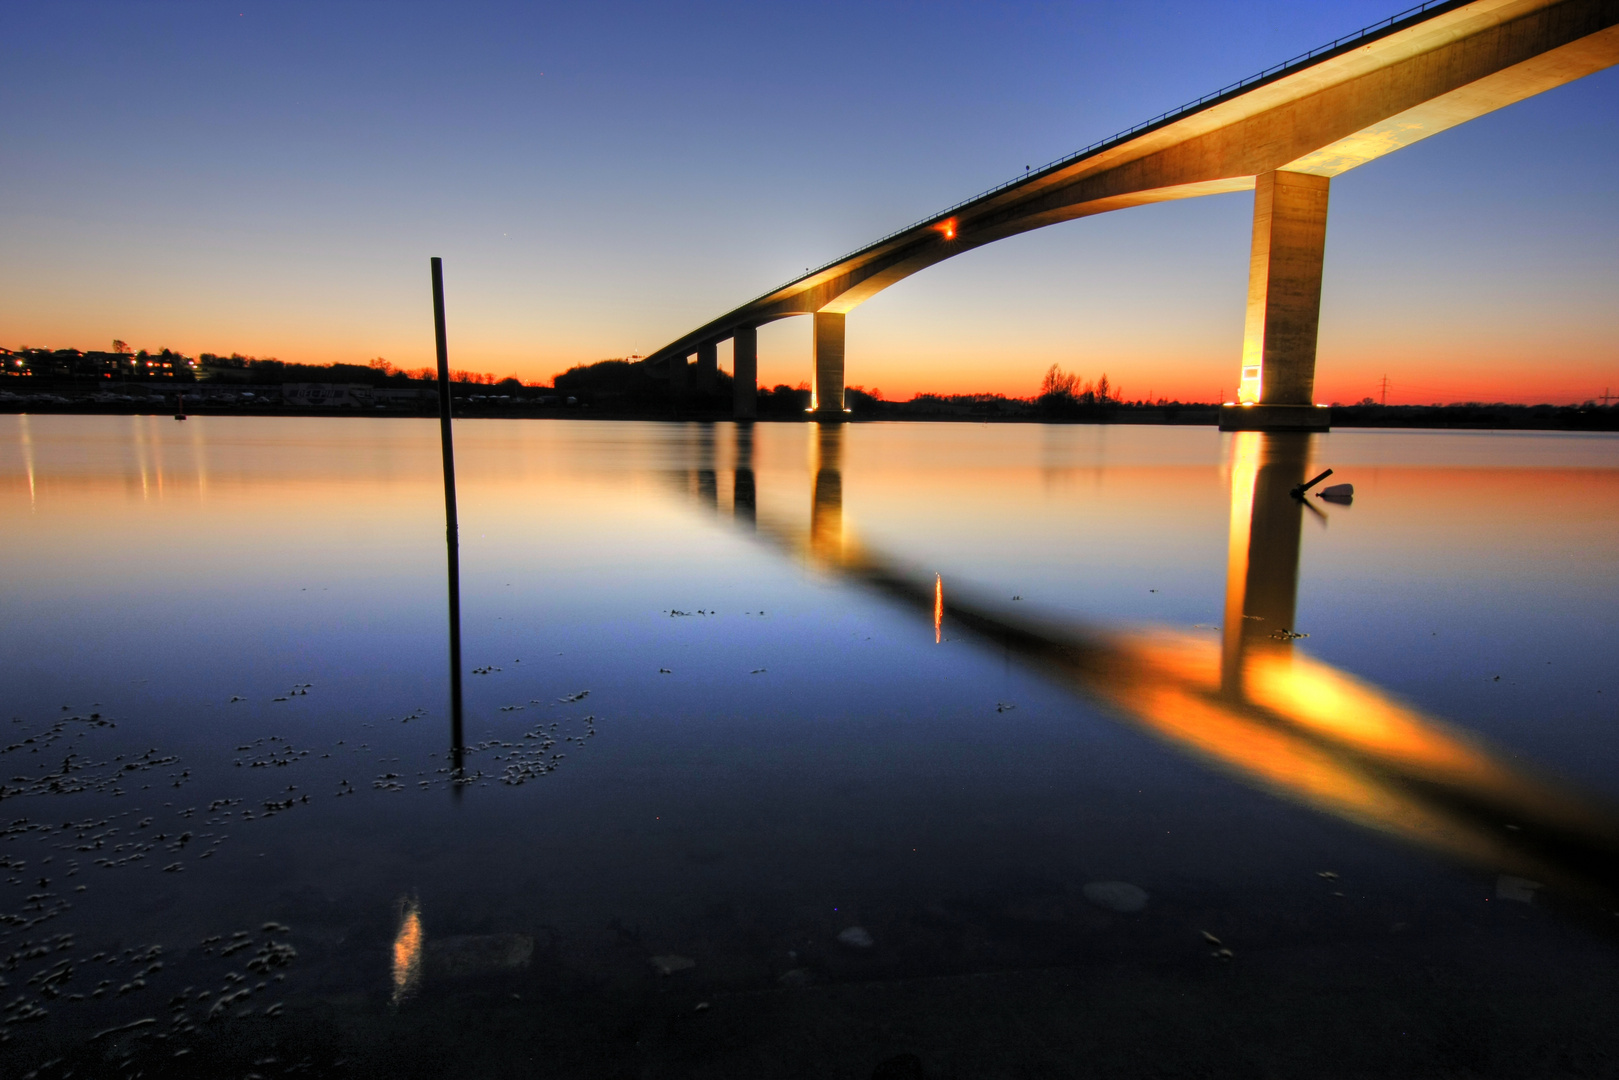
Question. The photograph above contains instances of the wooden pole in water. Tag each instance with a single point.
(451, 528)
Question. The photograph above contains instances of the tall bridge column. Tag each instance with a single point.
(828, 344)
(1284, 307)
(745, 373)
(707, 367)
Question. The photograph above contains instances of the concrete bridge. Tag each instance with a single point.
(1284, 134)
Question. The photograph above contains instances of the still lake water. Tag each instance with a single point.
(941, 683)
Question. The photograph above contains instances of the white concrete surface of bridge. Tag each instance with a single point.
(1284, 134)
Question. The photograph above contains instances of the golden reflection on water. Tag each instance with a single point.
(407, 950)
(938, 608)
(826, 508)
(26, 438)
(1257, 708)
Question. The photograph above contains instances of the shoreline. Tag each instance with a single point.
(1477, 418)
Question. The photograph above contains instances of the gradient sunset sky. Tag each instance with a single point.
(602, 177)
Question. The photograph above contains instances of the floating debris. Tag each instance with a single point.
(1337, 493)
(1298, 492)
(1004, 706)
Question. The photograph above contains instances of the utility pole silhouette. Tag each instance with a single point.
(1606, 397)
(1385, 390)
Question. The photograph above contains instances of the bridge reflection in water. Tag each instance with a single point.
(1252, 704)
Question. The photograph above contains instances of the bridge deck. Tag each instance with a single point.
(1349, 102)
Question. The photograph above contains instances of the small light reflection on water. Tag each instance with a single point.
(407, 950)
(938, 608)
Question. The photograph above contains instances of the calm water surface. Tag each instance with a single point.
(1028, 751)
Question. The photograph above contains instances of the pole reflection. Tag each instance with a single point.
(744, 503)
(1252, 704)
(707, 475)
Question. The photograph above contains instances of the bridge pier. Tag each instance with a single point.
(827, 338)
(707, 368)
(1284, 307)
(745, 373)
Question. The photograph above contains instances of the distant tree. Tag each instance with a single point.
(119, 346)
(381, 365)
(1105, 392)
(1059, 383)
(509, 385)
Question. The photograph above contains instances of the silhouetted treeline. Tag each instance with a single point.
(1473, 414)
(68, 380)
(123, 364)
(630, 388)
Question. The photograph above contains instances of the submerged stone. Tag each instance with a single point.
(1520, 889)
(1119, 896)
(856, 937)
(477, 954)
(670, 963)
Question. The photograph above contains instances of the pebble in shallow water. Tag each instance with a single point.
(478, 954)
(856, 937)
(1119, 896)
(669, 964)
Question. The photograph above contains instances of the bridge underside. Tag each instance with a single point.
(1284, 137)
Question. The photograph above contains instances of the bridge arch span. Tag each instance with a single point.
(1284, 134)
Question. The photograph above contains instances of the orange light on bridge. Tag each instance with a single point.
(947, 229)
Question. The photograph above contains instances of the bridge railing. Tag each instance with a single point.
(1275, 71)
